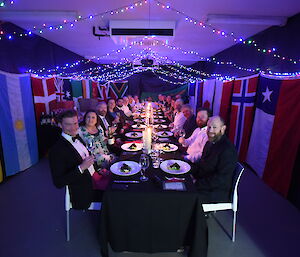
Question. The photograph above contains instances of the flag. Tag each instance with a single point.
(86, 88)
(77, 88)
(222, 99)
(242, 112)
(95, 91)
(199, 93)
(67, 90)
(17, 123)
(103, 91)
(275, 134)
(59, 91)
(118, 89)
(208, 93)
(44, 94)
(182, 90)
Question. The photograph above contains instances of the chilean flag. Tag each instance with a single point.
(275, 134)
(242, 112)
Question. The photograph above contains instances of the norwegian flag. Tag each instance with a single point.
(242, 112)
(44, 94)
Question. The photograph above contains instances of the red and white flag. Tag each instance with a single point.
(242, 113)
(44, 93)
(208, 93)
(59, 88)
(103, 92)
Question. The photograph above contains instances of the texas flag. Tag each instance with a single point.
(222, 99)
(242, 111)
(275, 134)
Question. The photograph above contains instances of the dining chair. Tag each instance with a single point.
(96, 206)
(214, 207)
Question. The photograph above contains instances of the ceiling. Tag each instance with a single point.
(190, 43)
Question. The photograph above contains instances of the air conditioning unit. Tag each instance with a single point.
(125, 31)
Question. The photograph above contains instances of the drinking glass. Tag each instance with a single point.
(144, 163)
(181, 133)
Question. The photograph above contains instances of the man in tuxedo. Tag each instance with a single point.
(105, 123)
(71, 164)
(214, 172)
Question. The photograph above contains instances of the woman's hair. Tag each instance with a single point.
(86, 113)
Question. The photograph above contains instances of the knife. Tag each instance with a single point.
(127, 181)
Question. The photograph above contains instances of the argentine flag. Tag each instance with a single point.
(17, 123)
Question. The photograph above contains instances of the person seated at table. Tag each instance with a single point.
(112, 116)
(119, 109)
(104, 120)
(168, 102)
(126, 107)
(190, 124)
(196, 142)
(131, 102)
(93, 136)
(179, 118)
(213, 173)
(71, 164)
(137, 101)
(161, 100)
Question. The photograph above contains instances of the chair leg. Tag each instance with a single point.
(68, 226)
(233, 226)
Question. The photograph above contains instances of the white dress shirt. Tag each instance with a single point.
(81, 149)
(195, 144)
(179, 120)
(105, 122)
(126, 110)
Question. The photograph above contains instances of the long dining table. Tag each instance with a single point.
(145, 217)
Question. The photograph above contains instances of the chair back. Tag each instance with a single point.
(236, 179)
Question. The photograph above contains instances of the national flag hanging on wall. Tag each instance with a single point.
(95, 91)
(275, 135)
(17, 123)
(86, 88)
(208, 93)
(182, 90)
(77, 89)
(118, 89)
(199, 93)
(222, 99)
(44, 94)
(103, 92)
(242, 113)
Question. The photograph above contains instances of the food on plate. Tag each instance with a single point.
(125, 168)
(166, 147)
(134, 134)
(132, 147)
(160, 126)
(174, 166)
(164, 133)
(138, 125)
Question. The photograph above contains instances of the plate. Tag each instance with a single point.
(139, 146)
(158, 117)
(116, 168)
(139, 120)
(184, 167)
(134, 134)
(160, 126)
(139, 127)
(173, 148)
(164, 134)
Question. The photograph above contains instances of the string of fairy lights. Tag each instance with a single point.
(4, 3)
(178, 71)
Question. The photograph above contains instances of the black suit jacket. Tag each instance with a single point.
(103, 126)
(64, 161)
(214, 171)
(189, 126)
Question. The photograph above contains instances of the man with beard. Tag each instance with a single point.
(213, 173)
(105, 123)
(198, 139)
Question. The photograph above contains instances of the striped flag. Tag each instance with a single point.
(59, 90)
(44, 94)
(95, 90)
(118, 89)
(17, 125)
(103, 92)
(242, 112)
(86, 88)
(208, 93)
(222, 99)
(275, 134)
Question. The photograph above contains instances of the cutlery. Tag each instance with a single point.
(127, 181)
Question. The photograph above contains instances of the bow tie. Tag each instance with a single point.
(74, 138)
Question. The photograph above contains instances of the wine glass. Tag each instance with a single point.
(144, 163)
(181, 133)
(90, 144)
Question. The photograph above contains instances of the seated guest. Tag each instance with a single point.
(161, 100)
(104, 122)
(126, 107)
(168, 102)
(131, 101)
(198, 139)
(113, 117)
(119, 109)
(94, 138)
(214, 172)
(71, 164)
(179, 118)
(190, 124)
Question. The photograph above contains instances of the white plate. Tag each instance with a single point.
(160, 126)
(158, 117)
(139, 146)
(173, 147)
(139, 120)
(134, 134)
(184, 167)
(164, 134)
(116, 168)
(159, 120)
(142, 126)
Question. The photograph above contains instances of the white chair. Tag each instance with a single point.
(96, 206)
(214, 207)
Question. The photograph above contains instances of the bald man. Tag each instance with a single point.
(213, 173)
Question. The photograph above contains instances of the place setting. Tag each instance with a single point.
(134, 134)
(165, 133)
(132, 147)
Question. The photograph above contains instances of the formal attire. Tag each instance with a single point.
(189, 126)
(104, 124)
(179, 120)
(195, 144)
(64, 158)
(102, 155)
(214, 171)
